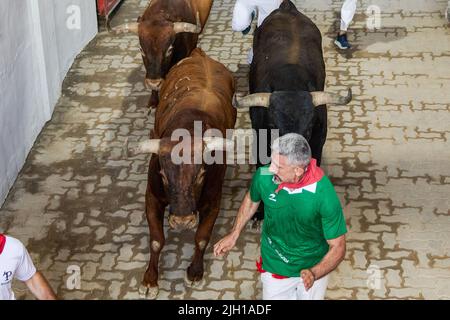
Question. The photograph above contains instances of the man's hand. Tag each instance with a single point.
(225, 244)
(335, 255)
(308, 278)
(246, 211)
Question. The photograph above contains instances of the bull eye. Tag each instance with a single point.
(169, 51)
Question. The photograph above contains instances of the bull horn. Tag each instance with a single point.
(319, 98)
(125, 28)
(261, 99)
(217, 143)
(188, 27)
(131, 149)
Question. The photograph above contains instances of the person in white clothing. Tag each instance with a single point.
(16, 263)
(245, 11)
(347, 13)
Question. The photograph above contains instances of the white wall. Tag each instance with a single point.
(37, 49)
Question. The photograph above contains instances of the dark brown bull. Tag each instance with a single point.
(168, 32)
(196, 89)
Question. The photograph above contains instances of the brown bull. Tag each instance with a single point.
(196, 89)
(168, 32)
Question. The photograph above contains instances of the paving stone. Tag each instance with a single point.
(87, 256)
(126, 252)
(100, 233)
(205, 295)
(110, 276)
(90, 286)
(360, 259)
(341, 294)
(108, 261)
(223, 284)
(129, 265)
(217, 269)
(114, 289)
(228, 295)
(80, 217)
(246, 290)
(405, 293)
(75, 295)
(393, 278)
(244, 274)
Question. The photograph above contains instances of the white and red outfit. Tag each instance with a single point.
(242, 12)
(15, 262)
(242, 15)
(347, 13)
(299, 219)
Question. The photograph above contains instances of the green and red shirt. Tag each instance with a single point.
(297, 223)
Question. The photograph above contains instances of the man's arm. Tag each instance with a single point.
(335, 255)
(39, 286)
(246, 212)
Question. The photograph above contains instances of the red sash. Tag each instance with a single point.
(312, 174)
(2, 242)
(261, 270)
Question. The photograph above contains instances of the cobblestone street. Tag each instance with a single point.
(78, 202)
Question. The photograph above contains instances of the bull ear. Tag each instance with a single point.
(217, 143)
(320, 98)
(188, 27)
(126, 28)
(261, 99)
(131, 149)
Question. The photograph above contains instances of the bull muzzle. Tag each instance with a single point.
(153, 84)
(183, 222)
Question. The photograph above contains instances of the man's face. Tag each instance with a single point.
(283, 171)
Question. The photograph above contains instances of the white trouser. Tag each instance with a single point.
(242, 12)
(347, 12)
(242, 15)
(292, 288)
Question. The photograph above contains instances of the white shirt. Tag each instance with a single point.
(15, 262)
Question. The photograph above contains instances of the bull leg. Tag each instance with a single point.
(207, 217)
(319, 133)
(154, 100)
(209, 207)
(155, 217)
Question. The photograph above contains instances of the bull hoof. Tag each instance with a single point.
(196, 284)
(148, 292)
(152, 293)
(143, 290)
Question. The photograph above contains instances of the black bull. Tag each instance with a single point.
(287, 80)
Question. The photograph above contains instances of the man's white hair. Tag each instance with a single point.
(293, 146)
